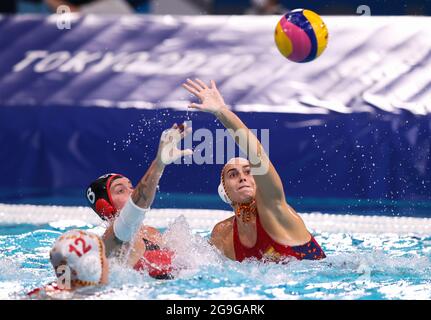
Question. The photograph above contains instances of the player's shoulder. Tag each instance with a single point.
(223, 226)
(149, 229)
(150, 233)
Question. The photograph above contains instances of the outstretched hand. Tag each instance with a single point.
(210, 97)
(168, 151)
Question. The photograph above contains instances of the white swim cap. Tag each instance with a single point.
(223, 195)
(82, 252)
(221, 190)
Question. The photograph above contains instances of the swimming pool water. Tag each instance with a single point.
(358, 266)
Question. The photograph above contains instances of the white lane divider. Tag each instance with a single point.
(206, 219)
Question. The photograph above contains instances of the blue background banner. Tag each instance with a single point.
(350, 128)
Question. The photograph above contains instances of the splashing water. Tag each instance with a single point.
(358, 266)
(192, 251)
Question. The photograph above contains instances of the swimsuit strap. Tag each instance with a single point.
(149, 245)
(270, 243)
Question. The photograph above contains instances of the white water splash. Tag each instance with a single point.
(192, 251)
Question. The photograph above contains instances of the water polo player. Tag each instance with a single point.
(264, 225)
(79, 260)
(114, 199)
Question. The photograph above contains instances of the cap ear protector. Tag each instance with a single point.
(221, 188)
(99, 196)
(223, 195)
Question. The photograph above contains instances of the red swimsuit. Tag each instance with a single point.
(267, 249)
(157, 261)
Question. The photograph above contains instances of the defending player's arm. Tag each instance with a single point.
(266, 177)
(133, 213)
(143, 195)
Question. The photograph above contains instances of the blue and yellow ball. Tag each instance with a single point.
(301, 35)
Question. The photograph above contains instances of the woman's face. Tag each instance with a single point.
(120, 190)
(239, 182)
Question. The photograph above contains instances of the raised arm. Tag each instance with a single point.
(267, 179)
(142, 197)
